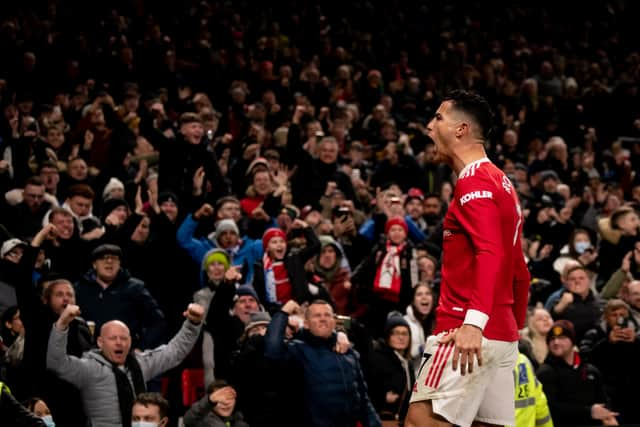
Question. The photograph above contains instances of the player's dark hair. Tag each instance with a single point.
(475, 106)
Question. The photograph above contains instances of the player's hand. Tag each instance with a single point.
(468, 343)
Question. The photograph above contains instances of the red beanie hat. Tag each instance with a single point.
(396, 220)
(270, 234)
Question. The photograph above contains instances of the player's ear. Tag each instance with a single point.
(462, 129)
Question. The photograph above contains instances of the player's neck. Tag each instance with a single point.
(466, 154)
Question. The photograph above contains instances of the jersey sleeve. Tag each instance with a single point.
(521, 282)
(479, 216)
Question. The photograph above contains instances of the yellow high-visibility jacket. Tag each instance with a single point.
(531, 403)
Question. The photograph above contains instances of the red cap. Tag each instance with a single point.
(396, 220)
(415, 192)
(270, 234)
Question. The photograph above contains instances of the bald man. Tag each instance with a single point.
(111, 376)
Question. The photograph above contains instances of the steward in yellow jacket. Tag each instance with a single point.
(531, 403)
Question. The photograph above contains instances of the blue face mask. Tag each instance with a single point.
(48, 420)
(143, 424)
(581, 246)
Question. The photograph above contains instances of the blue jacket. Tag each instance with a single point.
(335, 393)
(246, 256)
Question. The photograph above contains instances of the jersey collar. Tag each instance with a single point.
(473, 164)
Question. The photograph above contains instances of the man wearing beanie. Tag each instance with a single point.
(114, 212)
(388, 369)
(215, 264)
(242, 251)
(230, 311)
(168, 203)
(575, 389)
(220, 328)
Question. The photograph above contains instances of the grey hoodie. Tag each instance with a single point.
(93, 375)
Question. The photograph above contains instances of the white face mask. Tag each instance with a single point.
(582, 246)
(143, 424)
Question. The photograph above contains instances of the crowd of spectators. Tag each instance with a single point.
(257, 159)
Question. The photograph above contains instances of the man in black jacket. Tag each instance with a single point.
(181, 157)
(312, 177)
(574, 389)
(108, 292)
(38, 313)
(266, 388)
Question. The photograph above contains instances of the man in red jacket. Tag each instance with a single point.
(467, 374)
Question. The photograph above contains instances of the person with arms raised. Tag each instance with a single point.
(110, 377)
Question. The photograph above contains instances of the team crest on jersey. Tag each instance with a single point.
(473, 195)
(447, 233)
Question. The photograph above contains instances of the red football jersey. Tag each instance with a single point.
(485, 280)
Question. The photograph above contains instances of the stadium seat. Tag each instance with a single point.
(192, 386)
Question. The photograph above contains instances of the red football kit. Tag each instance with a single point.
(485, 280)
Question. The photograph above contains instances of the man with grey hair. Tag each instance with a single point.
(315, 175)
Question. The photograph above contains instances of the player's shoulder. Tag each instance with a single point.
(482, 180)
(479, 174)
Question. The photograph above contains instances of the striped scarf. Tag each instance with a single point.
(276, 281)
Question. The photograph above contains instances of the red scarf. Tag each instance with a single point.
(388, 278)
(276, 280)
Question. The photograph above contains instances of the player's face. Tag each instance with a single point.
(441, 129)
